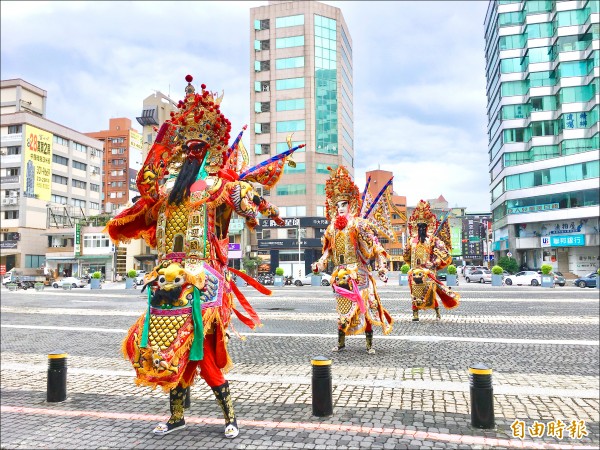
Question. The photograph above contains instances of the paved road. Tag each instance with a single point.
(541, 343)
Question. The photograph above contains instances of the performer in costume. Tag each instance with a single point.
(350, 242)
(428, 250)
(190, 185)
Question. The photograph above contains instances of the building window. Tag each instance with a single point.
(289, 83)
(260, 107)
(322, 168)
(60, 160)
(78, 184)
(262, 66)
(261, 24)
(262, 86)
(80, 147)
(34, 261)
(289, 63)
(262, 45)
(60, 179)
(117, 151)
(118, 140)
(289, 21)
(260, 128)
(292, 211)
(94, 205)
(283, 147)
(291, 125)
(14, 129)
(13, 150)
(320, 189)
(11, 214)
(61, 140)
(321, 211)
(291, 189)
(79, 165)
(290, 105)
(287, 42)
(262, 149)
(59, 199)
(78, 203)
(300, 168)
(95, 241)
(94, 187)
(13, 171)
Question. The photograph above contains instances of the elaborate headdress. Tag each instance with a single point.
(340, 187)
(422, 214)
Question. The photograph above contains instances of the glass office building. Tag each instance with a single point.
(301, 84)
(542, 89)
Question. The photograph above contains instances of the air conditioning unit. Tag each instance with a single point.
(12, 201)
(13, 194)
(5, 201)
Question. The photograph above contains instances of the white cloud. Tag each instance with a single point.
(419, 86)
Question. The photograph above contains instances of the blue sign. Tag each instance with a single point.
(574, 240)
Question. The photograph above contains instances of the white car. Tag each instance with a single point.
(526, 277)
(479, 276)
(74, 282)
(325, 280)
(139, 279)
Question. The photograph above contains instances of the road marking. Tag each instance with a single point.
(332, 316)
(400, 432)
(329, 336)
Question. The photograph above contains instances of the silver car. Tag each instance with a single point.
(480, 276)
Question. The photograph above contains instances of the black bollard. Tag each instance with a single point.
(56, 390)
(188, 401)
(322, 401)
(482, 396)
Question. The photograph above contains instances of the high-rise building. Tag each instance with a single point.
(50, 178)
(542, 88)
(156, 108)
(122, 160)
(301, 84)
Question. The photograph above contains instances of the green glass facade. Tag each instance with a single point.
(326, 104)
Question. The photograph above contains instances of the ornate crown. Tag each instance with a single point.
(199, 124)
(340, 187)
(422, 214)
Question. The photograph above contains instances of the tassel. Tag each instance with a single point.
(245, 304)
(251, 281)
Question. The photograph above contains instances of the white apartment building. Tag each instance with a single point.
(542, 72)
(50, 178)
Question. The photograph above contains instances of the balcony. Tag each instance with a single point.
(8, 138)
(10, 201)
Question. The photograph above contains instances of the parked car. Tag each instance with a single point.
(325, 280)
(441, 276)
(589, 280)
(75, 282)
(525, 277)
(559, 279)
(139, 278)
(469, 269)
(480, 276)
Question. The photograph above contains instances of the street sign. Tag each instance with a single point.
(2, 269)
(509, 254)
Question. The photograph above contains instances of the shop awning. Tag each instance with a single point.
(145, 257)
(92, 257)
(66, 259)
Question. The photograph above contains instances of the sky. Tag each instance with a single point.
(419, 76)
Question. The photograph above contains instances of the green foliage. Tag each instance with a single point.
(243, 270)
(509, 264)
(405, 268)
(250, 264)
(132, 273)
(97, 275)
(497, 270)
(279, 271)
(451, 269)
(546, 269)
(598, 271)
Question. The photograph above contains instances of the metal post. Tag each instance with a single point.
(482, 396)
(322, 400)
(188, 401)
(56, 390)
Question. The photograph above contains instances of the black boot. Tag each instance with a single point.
(176, 405)
(438, 316)
(369, 336)
(223, 397)
(415, 315)
(341, 342)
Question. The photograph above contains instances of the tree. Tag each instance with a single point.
(509, 264)
(250, 264)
